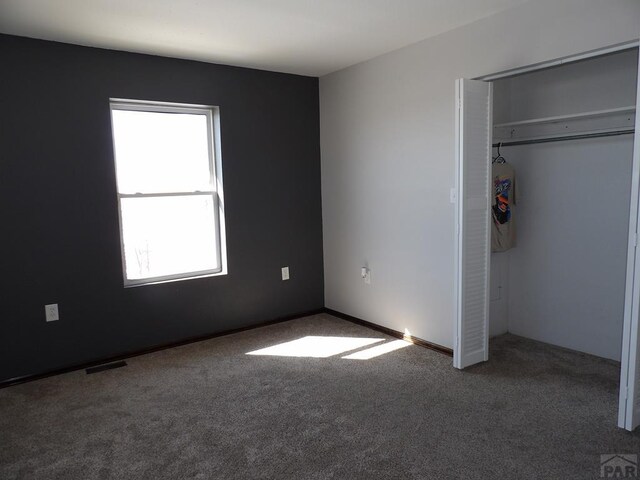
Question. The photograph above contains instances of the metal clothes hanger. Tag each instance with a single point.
(499, 158)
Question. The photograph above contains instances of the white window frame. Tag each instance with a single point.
(216, 193)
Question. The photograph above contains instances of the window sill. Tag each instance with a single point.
(171, 280)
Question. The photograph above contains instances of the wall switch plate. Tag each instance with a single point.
(453, 195)
(51, 312)
(285, 273)
(366, 275)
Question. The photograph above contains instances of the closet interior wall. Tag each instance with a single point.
(564, 281)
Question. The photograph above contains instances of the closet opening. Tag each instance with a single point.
(562, 154)
(556, 263)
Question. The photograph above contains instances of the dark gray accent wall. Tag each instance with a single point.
(59, 217)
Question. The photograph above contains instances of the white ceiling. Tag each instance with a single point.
(307, 37)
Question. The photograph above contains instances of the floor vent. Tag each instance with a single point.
(106, 366)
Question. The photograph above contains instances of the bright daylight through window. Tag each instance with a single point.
(169, 180)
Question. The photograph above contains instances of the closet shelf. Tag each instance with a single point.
(599, 123)
(574, 116)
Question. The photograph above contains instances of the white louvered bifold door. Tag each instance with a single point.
(473, 159)
(629, 400)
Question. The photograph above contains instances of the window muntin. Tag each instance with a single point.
(169, 191)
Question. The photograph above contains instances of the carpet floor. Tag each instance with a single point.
(210, 411)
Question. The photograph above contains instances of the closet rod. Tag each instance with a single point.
(566, 137)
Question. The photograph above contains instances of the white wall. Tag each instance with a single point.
(599, 83)
(499, 294)
(566, 275)
(387, 140)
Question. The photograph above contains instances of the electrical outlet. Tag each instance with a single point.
(285, 273)
(51, 312)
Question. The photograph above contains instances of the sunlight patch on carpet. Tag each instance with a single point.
(378, 350)
(316, 346)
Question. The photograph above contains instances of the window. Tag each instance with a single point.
(170, 197)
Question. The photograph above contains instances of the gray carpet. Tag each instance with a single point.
(209, 411)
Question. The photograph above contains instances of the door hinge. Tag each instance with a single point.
(635, 239)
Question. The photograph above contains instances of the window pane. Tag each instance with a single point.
(161, 152)
(169, 235)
